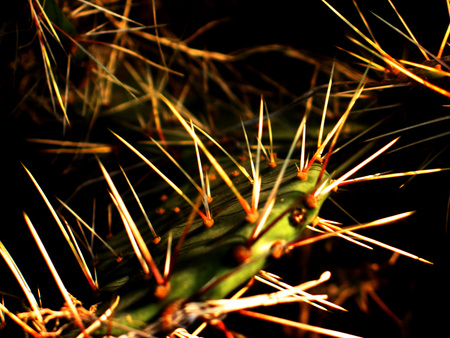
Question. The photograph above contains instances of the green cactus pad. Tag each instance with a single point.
(205, 267)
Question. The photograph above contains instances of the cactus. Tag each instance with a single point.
(212, 195)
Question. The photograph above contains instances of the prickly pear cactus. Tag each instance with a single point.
(217, 259)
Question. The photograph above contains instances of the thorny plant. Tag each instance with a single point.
(161, 275)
